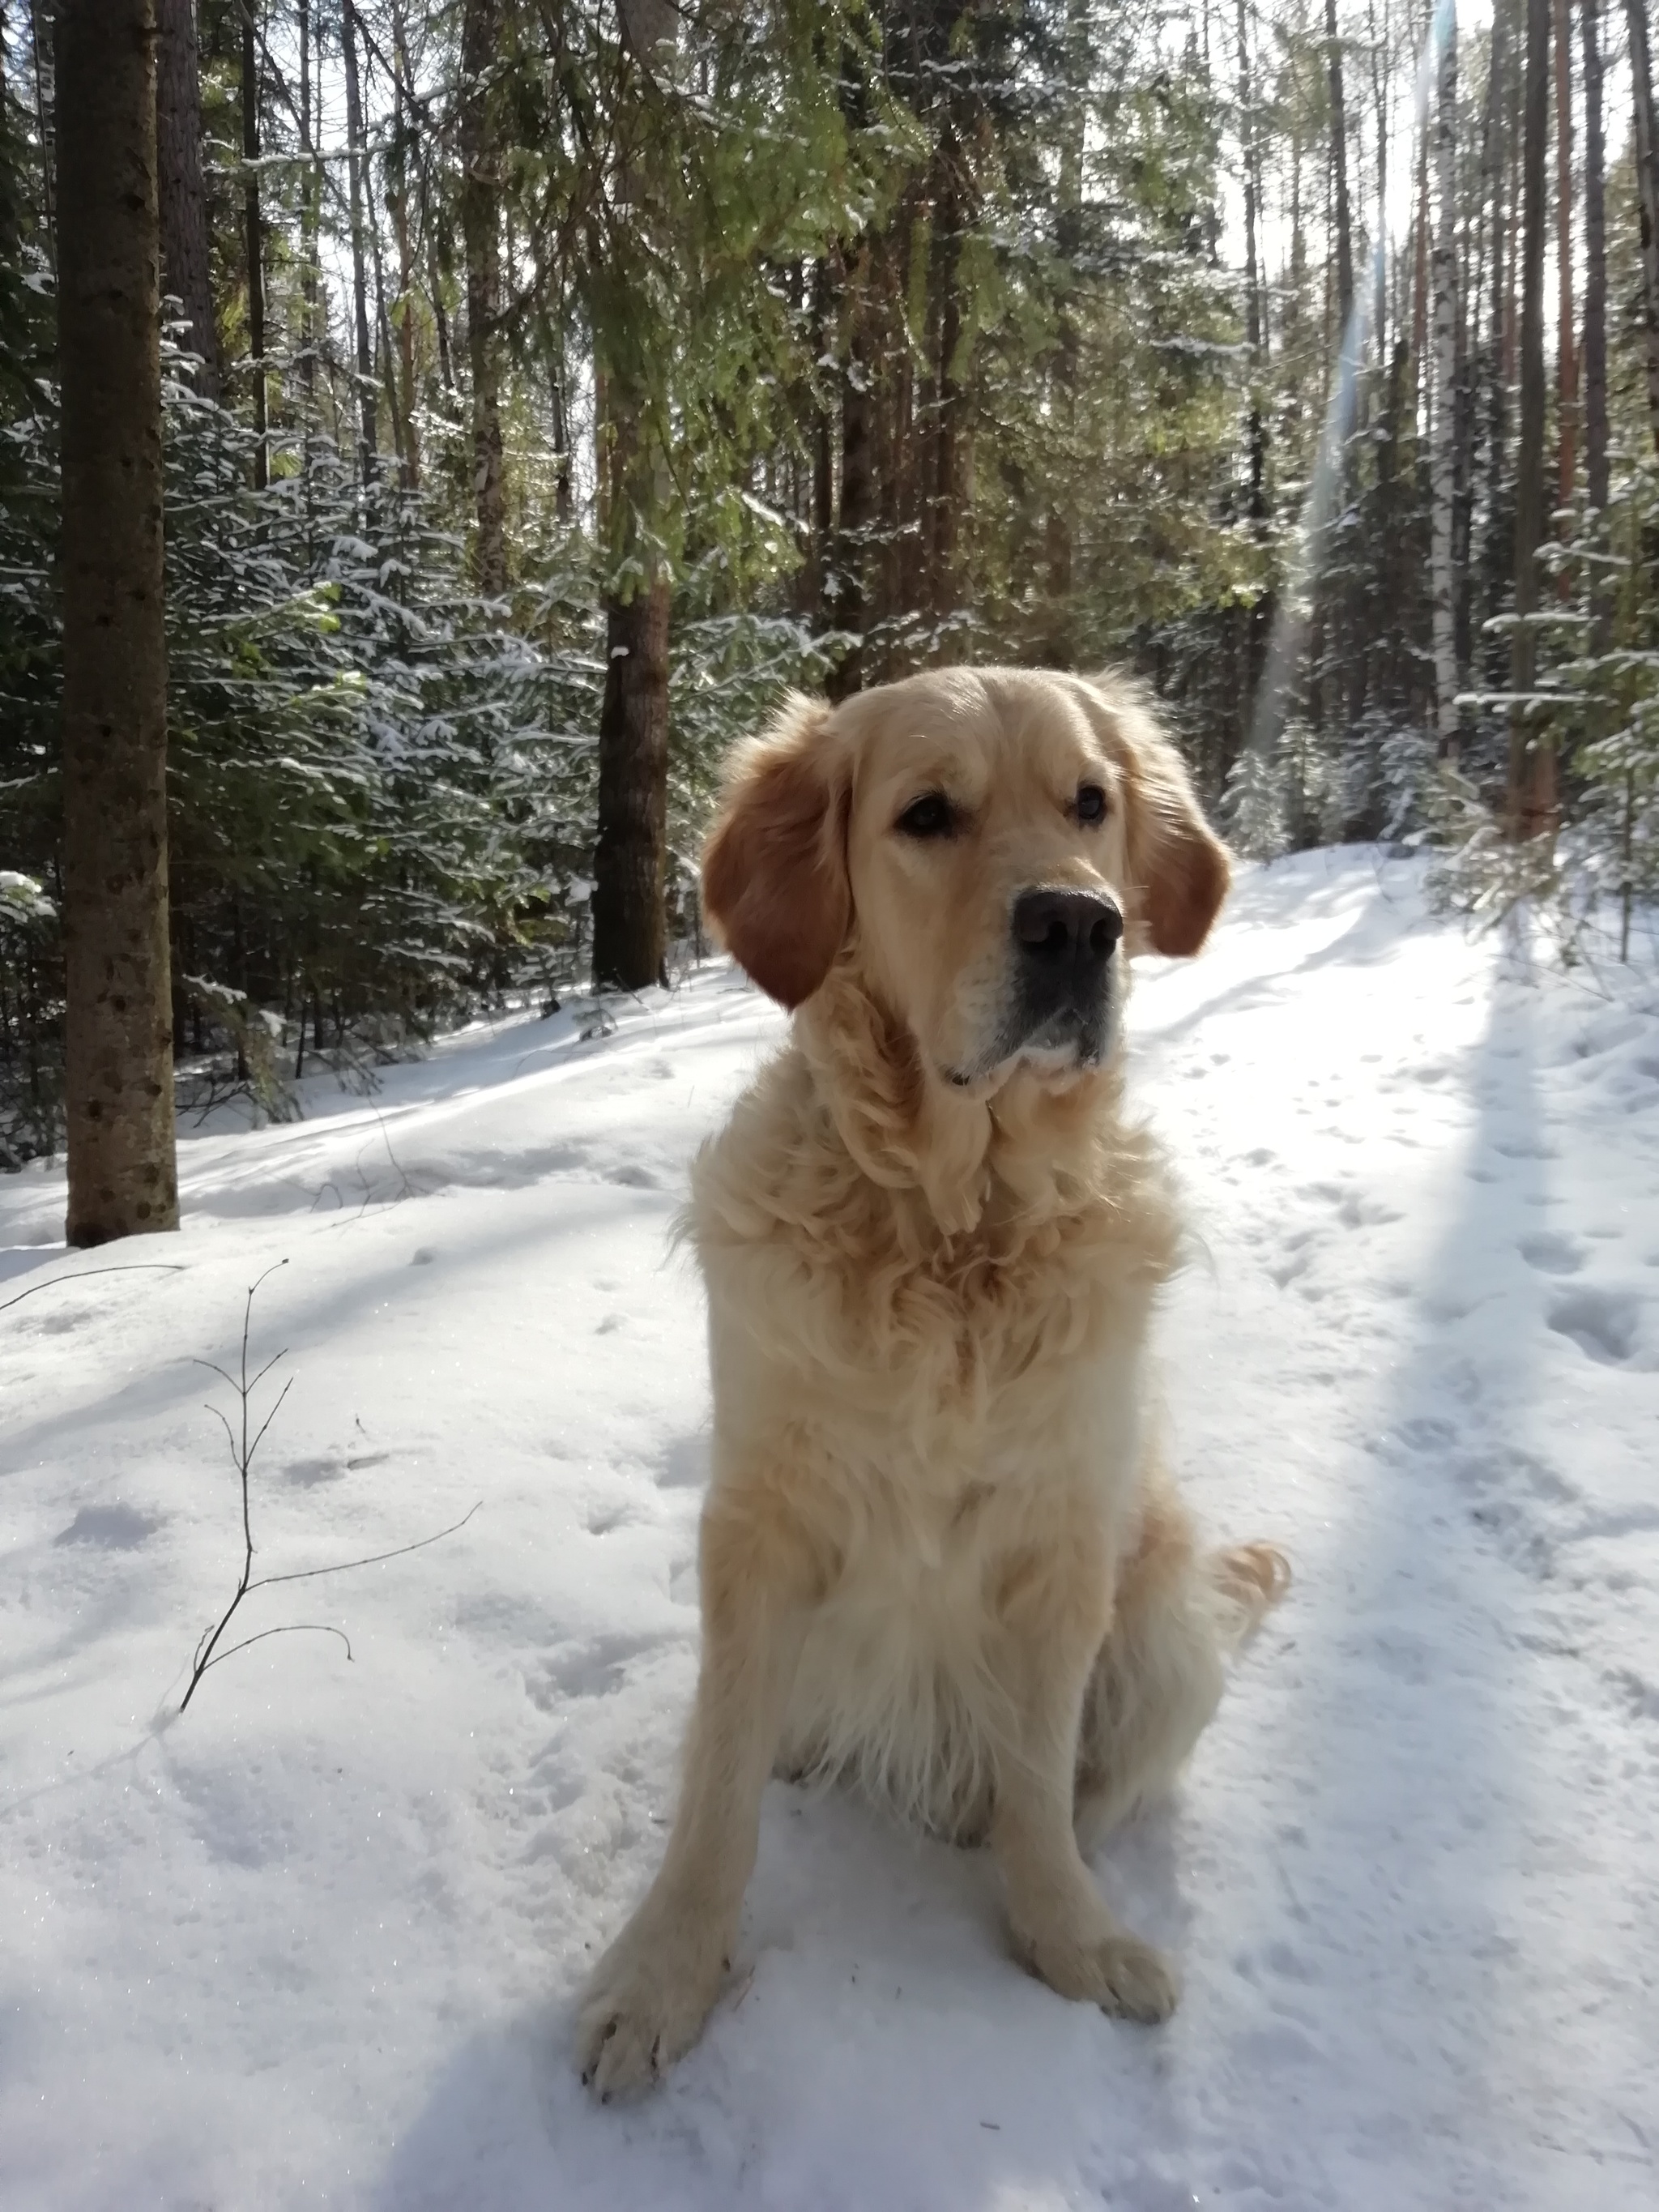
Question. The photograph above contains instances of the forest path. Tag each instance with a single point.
(317, 1941)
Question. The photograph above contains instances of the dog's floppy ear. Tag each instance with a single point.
(1181, 868)
(774, 881)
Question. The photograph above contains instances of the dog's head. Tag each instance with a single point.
(985, 846)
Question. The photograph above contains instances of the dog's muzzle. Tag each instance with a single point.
(1063, 943)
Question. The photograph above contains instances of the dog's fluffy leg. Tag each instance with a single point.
(650, 1994)
(1061, 1927)
(1179, 1617)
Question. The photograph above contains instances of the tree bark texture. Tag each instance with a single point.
(119, 1034)
(1595, 265)
(1495, 172)
(1340, 172)
(254, 247)
(1444, 459)
(631, 848)
(630, 934)
(1566, 352)
(481, 239)
(1532, 761)
(1646, 147)
(368, 432)
(858, 475)
(185, 266)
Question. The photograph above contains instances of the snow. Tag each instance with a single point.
(317, 1941)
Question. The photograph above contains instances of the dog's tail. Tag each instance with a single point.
(1249, 1580)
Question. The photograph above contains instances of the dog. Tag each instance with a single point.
(941, 1556)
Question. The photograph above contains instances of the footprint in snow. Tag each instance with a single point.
(1551, 1254)
(115, 1528)
(1603, 1324)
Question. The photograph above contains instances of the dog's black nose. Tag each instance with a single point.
(1067, 930)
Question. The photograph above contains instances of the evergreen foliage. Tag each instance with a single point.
(886, 336)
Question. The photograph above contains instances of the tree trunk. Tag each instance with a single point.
(630, 934)
(630, 852)
(1596, 269)
(824, 313)
(948, 428)
(397, 196)
(310, 186)
(1532, 762)
(118, 1029)
(481, 237)
(1566, 362)
(1444, 463)
(1499, 542)
(1339, 171)
(254, 248)
(1255, 318)
(185, 265)
(369, 436)
(1646, 147)
(857, 484)
(1597, 593)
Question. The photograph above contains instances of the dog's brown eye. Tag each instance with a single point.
(930, 816)
(1090, 802)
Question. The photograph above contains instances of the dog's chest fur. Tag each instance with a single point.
(943, 1413)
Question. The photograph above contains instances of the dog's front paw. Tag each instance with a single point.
(645, 2005)
(1117, 1971)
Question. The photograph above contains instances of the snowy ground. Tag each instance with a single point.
(316, 1941)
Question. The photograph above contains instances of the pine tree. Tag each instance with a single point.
(122, 1175)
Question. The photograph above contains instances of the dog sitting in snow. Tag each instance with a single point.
(939, 1556)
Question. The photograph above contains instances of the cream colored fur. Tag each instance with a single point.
(941, 1556)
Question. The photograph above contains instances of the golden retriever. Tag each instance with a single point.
(940, 1555)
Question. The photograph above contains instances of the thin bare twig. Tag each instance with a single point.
(137, 1267)
(305, 1574)
(290, 1628)
(243, 1446)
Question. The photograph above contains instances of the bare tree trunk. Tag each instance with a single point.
(1596, 269)
(1340, 169)
(397, 196)
(1444, 464)
(254, 247)
(185, 265)
(631, 850)
(1646, 146)
(629, 931)
(1255, 318)
(119, 1030)
(949, 433)
(481, 236)
(1532, 760)
(369, 438)
(309, 187)
(1499, 548)
(822, 442)
(1566, 362)
(857, 485)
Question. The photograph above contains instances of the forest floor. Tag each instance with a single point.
(317, 1941)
